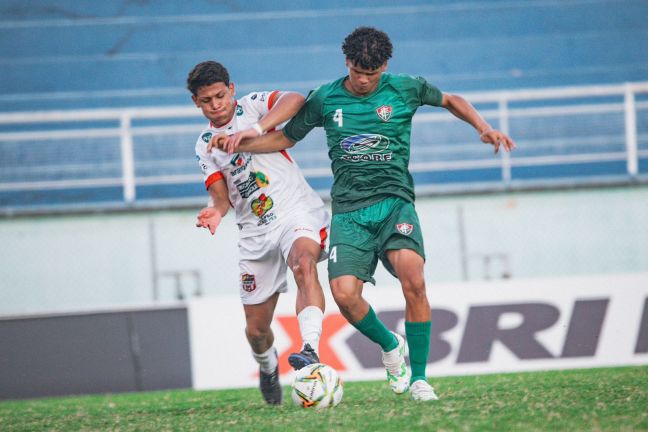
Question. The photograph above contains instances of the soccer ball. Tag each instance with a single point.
(317, 386)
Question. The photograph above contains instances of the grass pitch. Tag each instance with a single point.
(614, 399)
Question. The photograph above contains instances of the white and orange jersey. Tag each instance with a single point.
(262, 187)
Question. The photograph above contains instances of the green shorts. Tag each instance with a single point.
(360, 237)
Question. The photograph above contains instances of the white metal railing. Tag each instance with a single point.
(509, 107)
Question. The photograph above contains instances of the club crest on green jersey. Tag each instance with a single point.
(384, 112)
(405, 228)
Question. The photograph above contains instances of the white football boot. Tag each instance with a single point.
(397, 374)
(420, 390)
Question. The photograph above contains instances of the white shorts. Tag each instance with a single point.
(263, 258)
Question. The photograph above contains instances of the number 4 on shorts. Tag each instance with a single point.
(333, 254)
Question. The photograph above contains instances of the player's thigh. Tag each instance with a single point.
(402, 231)
(304, 251)
(407, 264)
(258, 317)
(347, 260)
(305, 234)
(262, 272)
(352, 248)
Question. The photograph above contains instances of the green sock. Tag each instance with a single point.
(375, 330)
(418, 340)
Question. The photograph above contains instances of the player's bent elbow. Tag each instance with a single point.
(289, 143)
(452, 100)
(284, 141)
(296, 97)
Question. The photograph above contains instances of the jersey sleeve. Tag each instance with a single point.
(430, 95)
(211, 172)
(416, 91)
(262, 102)
(307, 118)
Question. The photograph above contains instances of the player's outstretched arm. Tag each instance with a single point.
(210, 217)
(287, 105)
(463, 110)
(284, 109)
(268, 143)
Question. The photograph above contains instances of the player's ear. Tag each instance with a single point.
(232, 89)
(195, 100)
(383, 68)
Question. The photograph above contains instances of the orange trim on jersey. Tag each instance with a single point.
(272, 99)
(286, 155)
(323, 236)
(213, 179)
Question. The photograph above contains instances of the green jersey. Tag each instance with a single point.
(368, 136)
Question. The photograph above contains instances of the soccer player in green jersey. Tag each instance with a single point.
(367, 116)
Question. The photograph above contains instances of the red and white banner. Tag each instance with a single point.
(477, 327)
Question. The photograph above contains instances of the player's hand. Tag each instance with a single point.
(497, 139)
(217, 142)
(209, 218)
(234, 141)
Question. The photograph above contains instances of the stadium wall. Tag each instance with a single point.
(94, 352)
(69, 263)
(486, 327)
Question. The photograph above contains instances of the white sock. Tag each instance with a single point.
(310, 326)
(268, 360)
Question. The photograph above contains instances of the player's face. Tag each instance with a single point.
(216, 102)
(362, 81)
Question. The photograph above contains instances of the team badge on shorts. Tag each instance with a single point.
(405, 228)
(248, 282)
(384, 112)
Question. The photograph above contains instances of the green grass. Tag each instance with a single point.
(614, 399)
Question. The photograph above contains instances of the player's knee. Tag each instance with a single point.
(257, 333)
(304, 267)
(414, 288)
(344, 297)
(412, 278)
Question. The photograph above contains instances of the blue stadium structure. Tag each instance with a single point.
(70, 55)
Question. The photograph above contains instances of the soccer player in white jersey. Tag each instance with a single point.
(282, 221)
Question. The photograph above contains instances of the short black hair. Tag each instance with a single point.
(206, 73)
(367, 47)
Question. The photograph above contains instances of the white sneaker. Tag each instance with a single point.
(397, 374)
(422, 391)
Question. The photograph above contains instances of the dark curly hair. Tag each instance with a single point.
(206, 73)
(367, 47)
